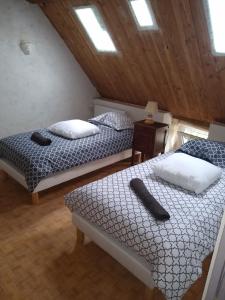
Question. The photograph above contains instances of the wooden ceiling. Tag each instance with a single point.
(173, 65)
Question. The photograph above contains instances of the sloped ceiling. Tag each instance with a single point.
(173, 65)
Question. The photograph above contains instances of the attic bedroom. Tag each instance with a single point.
(112, 149)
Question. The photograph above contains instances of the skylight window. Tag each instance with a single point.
(143, 14)
(216, 10)
(95, 28)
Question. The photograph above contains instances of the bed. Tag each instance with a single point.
(167, 255)
(122, 150)
(38, 168)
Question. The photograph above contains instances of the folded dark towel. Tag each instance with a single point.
(38, 138)
(148, 200)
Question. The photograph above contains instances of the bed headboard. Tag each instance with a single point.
(137, 113)
(101, 109)
(217, 132)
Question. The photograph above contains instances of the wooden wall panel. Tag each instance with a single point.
(173, 65)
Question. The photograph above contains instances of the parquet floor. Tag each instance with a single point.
(37, 257)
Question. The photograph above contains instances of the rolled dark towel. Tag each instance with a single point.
(38, 138)
(148, 200)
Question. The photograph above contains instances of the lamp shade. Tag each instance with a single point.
(151, 107)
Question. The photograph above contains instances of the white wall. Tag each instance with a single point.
(44, 87)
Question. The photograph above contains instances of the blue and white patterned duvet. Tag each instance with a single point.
(174, 248)
(38, 162)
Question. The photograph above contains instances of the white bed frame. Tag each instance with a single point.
(100, 106)
(8, 168)
(215, 284)
(137, 265)
(60, 177)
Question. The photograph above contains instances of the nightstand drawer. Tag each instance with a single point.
(140, 129)
(144, 142)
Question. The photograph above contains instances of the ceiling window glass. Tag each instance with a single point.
(216, 13)
(95, 28)
(143, 14)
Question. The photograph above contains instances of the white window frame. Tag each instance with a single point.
(151, 27)
(102, 23)
(210, 29)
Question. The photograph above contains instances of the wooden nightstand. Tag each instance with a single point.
(149, 139)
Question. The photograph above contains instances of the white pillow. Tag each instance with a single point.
(116, 120)
(188, 172)
(74, 129)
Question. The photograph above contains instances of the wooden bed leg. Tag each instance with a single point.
(79, 238)
(3, 175)
(149, 294)
(35, 198)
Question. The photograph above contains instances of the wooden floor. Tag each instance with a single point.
(37, 257)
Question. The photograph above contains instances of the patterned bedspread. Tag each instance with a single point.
(175, 248)
(37, 162)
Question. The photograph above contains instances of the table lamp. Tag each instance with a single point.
(151, 108)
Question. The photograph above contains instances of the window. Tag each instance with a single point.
(181, 132)
(187, 132)
(143, 14)
(216, 11)
(95, 28)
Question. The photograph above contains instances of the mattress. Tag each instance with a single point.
(38, 162)
(175, 248)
